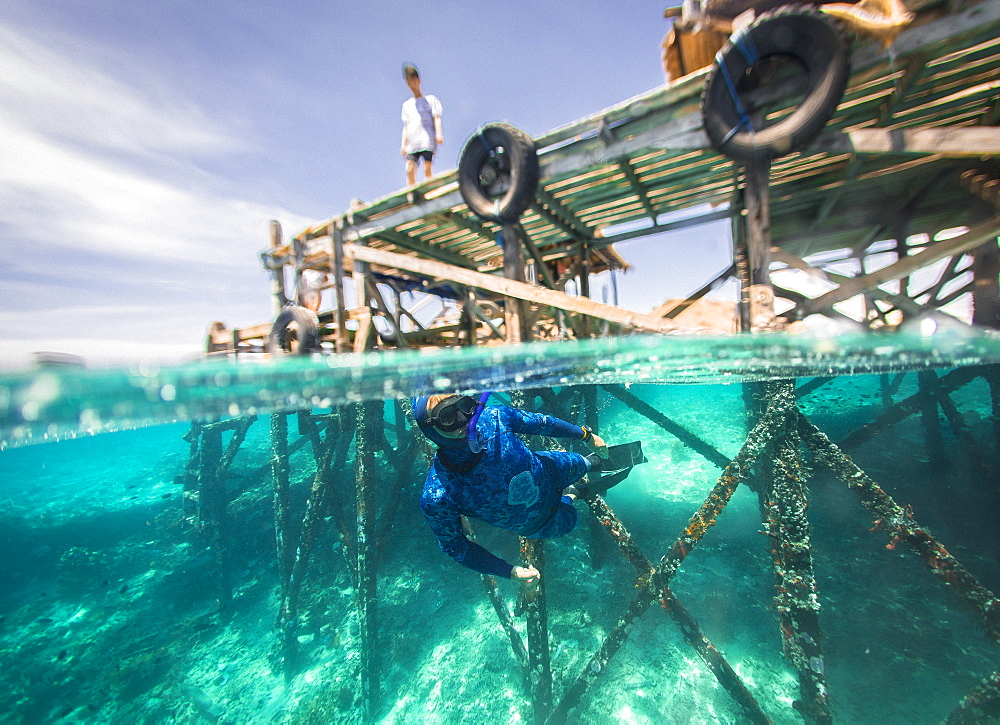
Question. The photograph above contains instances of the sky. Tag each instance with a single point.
(144, 146)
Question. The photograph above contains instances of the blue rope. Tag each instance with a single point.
(486, 144)
(744, 116)
(748, 49)
(744, 43)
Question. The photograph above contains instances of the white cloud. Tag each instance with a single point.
(72, 99)
(90, 162)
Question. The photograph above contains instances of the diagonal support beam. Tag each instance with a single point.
(897, 521)
(901, 301)
(512, 288)
(685, 436)
(975, 237)
(671, 311)
(650, 589)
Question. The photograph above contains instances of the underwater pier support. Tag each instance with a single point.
(213, 499)
(652, 584)
(369, 428)
(784, 505)
(536, 611)
(282, 532)
(898, 523)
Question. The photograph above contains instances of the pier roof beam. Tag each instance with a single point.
(415, 245)
(633, 181)
(944, 141)
(565, 216)
(602, 242)
(460, 220)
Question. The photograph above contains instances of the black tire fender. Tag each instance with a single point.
(807, 35)
(498, 173)
(303, 323)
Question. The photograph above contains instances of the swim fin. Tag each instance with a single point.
(621, 456)
(601, 485)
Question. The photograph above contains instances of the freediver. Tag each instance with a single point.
(482, 469)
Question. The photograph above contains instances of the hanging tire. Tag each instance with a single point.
(794, 45)
(498, 173)
(295, 332)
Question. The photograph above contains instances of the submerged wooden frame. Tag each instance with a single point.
(770, 462)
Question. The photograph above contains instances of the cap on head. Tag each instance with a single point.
(410, 71)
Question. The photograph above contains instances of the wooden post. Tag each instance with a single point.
(784, 504)
(397, 308)
(584, 324)
(282, 531)
(741, 262)
(212, 507)
(369, 423)
(213, 499)
(986, 292)
(758, 236)
(513, 268)
(929, 417)
(366, 331)
(189, 478)
(469, 321)
(902, 251)
(591, 419)
(337, 262)
(298, 252)
(986, 272)
(277, 274)
(539, 663)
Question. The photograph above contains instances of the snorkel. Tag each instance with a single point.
(472, 437)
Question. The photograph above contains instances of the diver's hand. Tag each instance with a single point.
(597, 444)
(527, 576)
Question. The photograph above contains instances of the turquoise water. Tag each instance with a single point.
(120, 604)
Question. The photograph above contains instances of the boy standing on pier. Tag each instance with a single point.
(421, 127)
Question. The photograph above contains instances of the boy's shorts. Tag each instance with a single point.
(417, 155)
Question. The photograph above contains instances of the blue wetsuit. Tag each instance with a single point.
(505, 485)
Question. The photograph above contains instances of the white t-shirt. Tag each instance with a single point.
(418, 122)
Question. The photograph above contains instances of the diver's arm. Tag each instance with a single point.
(539, 424)
(523, 421)
(446, 523)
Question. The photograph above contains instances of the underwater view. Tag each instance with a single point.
(814, 537)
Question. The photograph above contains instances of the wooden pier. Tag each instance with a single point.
(912, 151)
